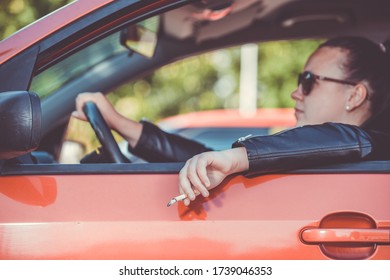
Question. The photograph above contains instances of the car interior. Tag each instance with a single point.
(132, 49)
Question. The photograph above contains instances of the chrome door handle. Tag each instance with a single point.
(345, 235)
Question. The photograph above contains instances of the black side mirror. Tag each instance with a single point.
(20, 123)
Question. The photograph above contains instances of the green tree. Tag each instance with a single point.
(211, 81)
(15, 14)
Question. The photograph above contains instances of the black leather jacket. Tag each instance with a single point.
(156, 145)
(305, 146)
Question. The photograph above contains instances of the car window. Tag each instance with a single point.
(50, 80)
(192, 83)
(202, 83)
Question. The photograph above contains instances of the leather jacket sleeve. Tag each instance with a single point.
(300, 147)
(309, 146)
(156, 145)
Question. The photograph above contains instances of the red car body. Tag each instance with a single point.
(265, 117)
(119, 211)
(218, 129)
(101, 217)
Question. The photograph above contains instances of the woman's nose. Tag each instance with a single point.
(297, 94)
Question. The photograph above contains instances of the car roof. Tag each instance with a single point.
(276, 19)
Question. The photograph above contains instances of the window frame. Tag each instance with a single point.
(364, 167)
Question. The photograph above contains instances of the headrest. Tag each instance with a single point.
(20, 123)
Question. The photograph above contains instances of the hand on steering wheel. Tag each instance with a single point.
(103, 133)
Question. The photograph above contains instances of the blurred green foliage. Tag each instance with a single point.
(15, 14)
(211, 81)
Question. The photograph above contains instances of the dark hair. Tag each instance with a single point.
(369, 62)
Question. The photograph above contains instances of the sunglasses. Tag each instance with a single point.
(307, 80)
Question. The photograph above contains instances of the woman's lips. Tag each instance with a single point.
(298, 112)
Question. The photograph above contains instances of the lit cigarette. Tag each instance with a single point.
(176, 199)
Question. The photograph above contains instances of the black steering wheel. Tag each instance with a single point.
(103, 133)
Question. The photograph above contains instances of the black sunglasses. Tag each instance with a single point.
(307, 80)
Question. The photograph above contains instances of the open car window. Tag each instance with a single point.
(207, 85)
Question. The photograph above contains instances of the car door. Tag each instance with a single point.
(120, 212)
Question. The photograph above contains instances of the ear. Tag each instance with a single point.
(357, 96)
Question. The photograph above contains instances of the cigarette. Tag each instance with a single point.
(176, 199)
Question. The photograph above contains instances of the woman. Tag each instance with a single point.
(340, 98)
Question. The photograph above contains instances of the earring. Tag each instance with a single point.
(347, 108)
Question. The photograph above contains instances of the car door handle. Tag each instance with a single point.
(345, 235)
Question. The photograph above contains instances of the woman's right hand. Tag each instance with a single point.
(129, 129)
(107, 110)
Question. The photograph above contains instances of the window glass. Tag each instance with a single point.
(50, 80)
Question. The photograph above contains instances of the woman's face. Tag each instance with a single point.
(327, 100)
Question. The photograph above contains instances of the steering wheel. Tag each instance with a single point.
(103, 133)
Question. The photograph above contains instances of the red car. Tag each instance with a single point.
(119, 210)
(218, 129)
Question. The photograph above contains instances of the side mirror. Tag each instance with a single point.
(20, 123)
